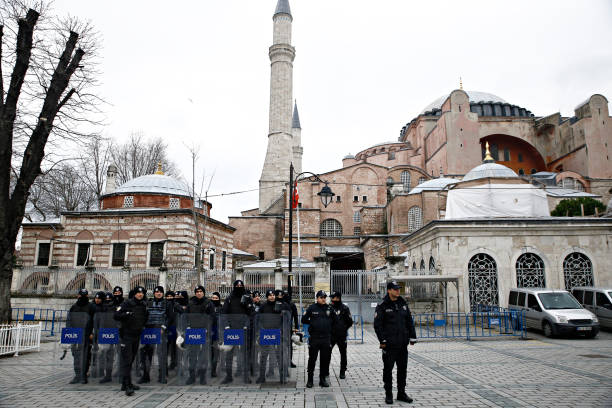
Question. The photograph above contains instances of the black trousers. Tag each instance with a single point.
(198, 360)
(390, 357)
(147, 353)
(81, 356)
(342, 347)
(314, 348)
(129, 351)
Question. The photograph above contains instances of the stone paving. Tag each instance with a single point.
(538, 372)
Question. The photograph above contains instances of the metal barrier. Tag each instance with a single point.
(48, 318)
(357, 319)
(19, 337)
(495, 323)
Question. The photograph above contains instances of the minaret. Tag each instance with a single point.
(275, 173)
(298, 150)
(111, 179)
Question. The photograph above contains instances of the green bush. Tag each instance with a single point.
(572, 207)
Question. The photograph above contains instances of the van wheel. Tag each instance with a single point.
(548, 330)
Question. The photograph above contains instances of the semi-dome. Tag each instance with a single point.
(490, 170)
(156, 184)
(433, 185)
(474, 96)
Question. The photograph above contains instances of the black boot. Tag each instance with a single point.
(213, 373)
(75, 380)
(228, 379)
(388, 397)
(202, 377)
(402, 396)
(293, 365)
(108, 377)
(323, 382)
(261, 379)
(144, 379)
(129, 390)
(191, 378)
(342, 374)
(310, 382)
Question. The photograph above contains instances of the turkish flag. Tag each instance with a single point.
(296, 197)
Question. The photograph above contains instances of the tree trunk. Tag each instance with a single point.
(6, 276)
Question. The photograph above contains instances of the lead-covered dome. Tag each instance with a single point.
(156, 184)
(433, 185)
(493, 170)
(475, 97)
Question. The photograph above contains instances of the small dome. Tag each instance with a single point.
(433, 185)
(490, 170)
(155, 183)
(474, 97)
(349, 156)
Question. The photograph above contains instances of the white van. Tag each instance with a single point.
(598, 301)
(553, 311)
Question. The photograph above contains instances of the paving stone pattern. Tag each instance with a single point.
(484, 373)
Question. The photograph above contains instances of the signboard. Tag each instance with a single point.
(270, 337)
(151, 336)
(108, 336)
(233, 337)
(72, 335)
(195, 336)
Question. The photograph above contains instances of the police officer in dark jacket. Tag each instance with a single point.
(321, 318)
(198, 304)
(133, 316)
(82, 306)
(172, 319)
(238, 302)
(98, 303)
(215, 298)
(339, 331)
(117, 296)
(395, 330)
(271, 306)
(159, 312)
(294, 318)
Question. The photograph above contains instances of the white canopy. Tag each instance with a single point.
(497, 200)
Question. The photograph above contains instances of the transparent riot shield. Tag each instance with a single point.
(106, 349)
(152, 358)
(234, 332)
(74, 338)
(272, 339)
(194, 348)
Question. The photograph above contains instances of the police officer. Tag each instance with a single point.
(198, 304)
(215, 298)
(339, 331)
(107, 357)
(257, 301)
(294, 318)
(395, 330)
(238, 302)
(133, 316)
(159, 311)
(98, 304)
(172, 319)
(117, 296)
(271, 306)
(82, 305)
(321, 318)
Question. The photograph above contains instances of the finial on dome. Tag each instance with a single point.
(488, 158)
(159, 169)
(460, 83)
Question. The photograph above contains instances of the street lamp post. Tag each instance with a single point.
(326, 195)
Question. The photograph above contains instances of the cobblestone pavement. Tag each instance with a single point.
(484, 373)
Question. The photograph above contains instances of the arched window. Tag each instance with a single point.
(570, 183)
(356, 216)
(482, 279)
(415, 218)
(405, 178)
(578, 270)
(432, 266)
(414, 269)
(434, 287)
(331, 228)
(530, 271)
(422, 271)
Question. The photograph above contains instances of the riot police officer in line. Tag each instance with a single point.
(133, 316)
(117, 296)
(172, 319)
(321, 318)
(271, 306)
(215, 298)
(198, 304)
(82, 305)
(339, 331)
(98, 303)
(107, 357)
(159, 312)
(294, 318)
(238, 302)
(395, 330)
(257, 301)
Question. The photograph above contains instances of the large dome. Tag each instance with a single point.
(475, 97)
(433, 185)
(155, 183)
(490, 170)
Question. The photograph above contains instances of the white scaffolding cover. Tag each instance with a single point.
(497, 200)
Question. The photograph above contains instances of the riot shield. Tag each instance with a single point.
(234, 330)
(74, 337)
(106, 350)
(152, 357)
(272, 340)
(194, 348)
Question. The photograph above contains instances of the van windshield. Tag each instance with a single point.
(560, 300)
(610, 294)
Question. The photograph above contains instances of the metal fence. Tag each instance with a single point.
(18, 337)
(361, 289)
(219, 281)
(499, 323)
(48, 318)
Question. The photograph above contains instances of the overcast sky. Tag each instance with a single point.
(198, 71)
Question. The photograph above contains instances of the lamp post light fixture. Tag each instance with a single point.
(326, 194)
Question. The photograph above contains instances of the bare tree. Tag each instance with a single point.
(94, 162)
(47, 73)
(139, 156)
